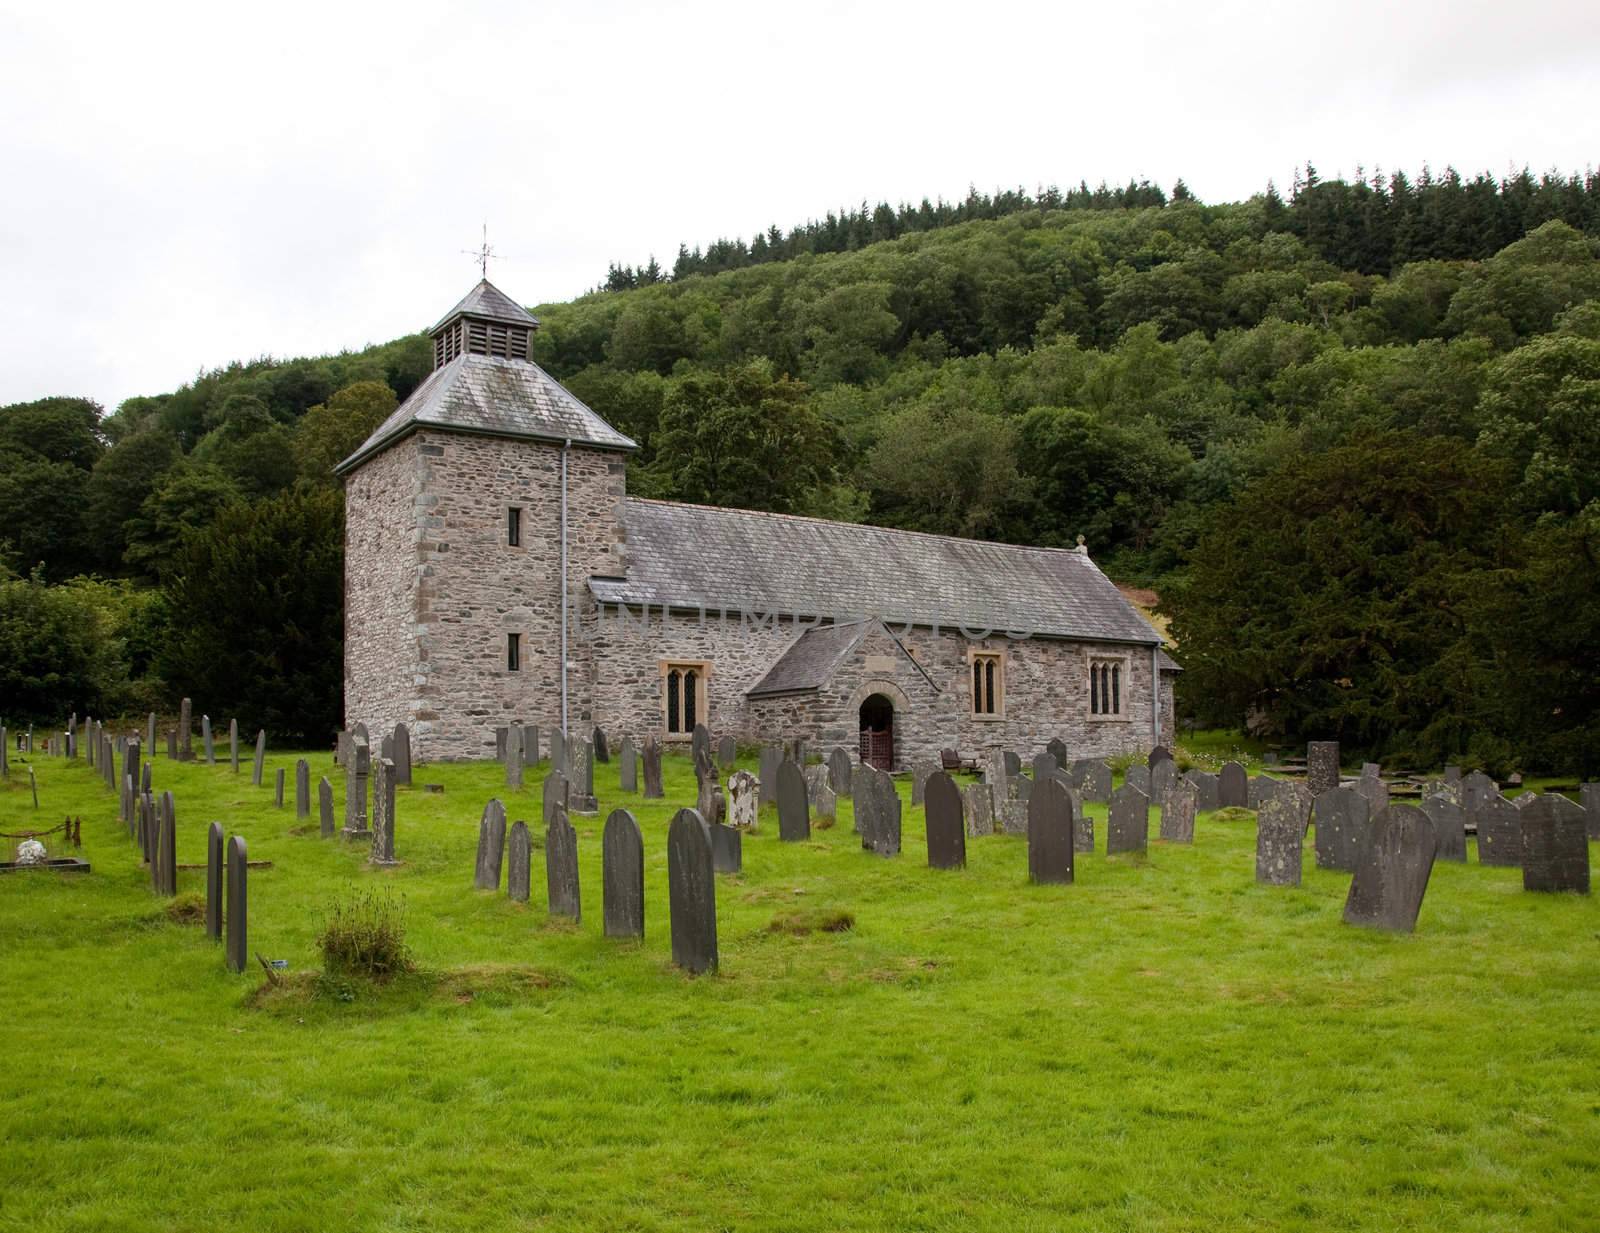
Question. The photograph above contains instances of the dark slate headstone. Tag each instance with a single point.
(727, 847)
(1129, 827)
(238, 926)
(1373, 788)
(864, 802)
(402, 754)
(1589, 801)
(1233, 787)
(1555, 846)
(628, 766)
(980, 809)
(1280, 839)
(692, 893)
(710, 802)
(206, 741)
(302, 789)
(1178, 808)
(1057, 749)
(920, 770)
(651, 757)
(1136, 777)
(558, 750)
(1157, 756)
(1391, 875)
(382, 852)
(277, 787)
(794, 804)
(519, 862)
(1206, 788)
(1013, 763)
(622, 876)
(1051, 838)
(886, 814)
(514, 763)
(561, 868)
(700, 744)
(727, 752)
(1044, 764)
(491, 846)
(602, 749)
(1092, 778)
(1163, 775)
(214, 860)
(1019, 788)
(1449, 828)
(355, 790)
(556, 796)
(946, 825)
(165, 863)
(1342, 818)
(325, 804)
(1498, 824)
(186, 730)
(261, 757)
(1475, 789)
(1297, 797)
(172, 744)
(1322, 766)
(502, 734)
(767, 772)
(839, 772)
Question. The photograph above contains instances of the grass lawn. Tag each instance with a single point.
(1163, 1045)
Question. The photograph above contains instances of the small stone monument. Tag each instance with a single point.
(1280, 839)
(794, 804)
(1050, 834)
(1178, 808)
(622, 873)
(692, 893)
(519, 861)
(945, 822)
(238, 947)
(1392, 872)
(561, 868)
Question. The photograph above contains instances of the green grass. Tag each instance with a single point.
(1163, 1045)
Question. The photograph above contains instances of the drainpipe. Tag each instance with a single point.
(1155, 695)
(565, 447)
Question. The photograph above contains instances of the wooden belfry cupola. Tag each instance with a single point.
(486, 322)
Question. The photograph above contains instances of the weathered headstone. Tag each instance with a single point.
(1342, 817)
(1206, 788)
(839, 772)
(277, 787)
(558, 750)
(1257, 789)
(1373, 788)
(727, 752)
(1280, 840)
(355, 791)
(1233, 787)
(1013, 817)
(622, 876)
(1391, 875)
(1449, 828)
(946, 825)
(1136, 776)
(1128, 829)
(206, 741)
(979, 809)
(383, 814)
(886, 814)
(823, 802)
(1163, 775)
(602, 747)
(1019, 788)
(1322, 766)
(238, 928)
(519, 862)
(1297, 797)
(1044, 764)
(186, 730)
(214, 861)
(743, 801)
(582, 799)
(233, 744)
(863, 802)
(1012, 762)
(1588, 799)
(561, 868)
(513, 757)
(556, 796)
(767, 773)
(302, 788)
(325, 805)
(920, 770)
(261, 757)
(1178, 808)
(794, 804)
(149, 735)
(164, 865)
(1092, 778)
(692, 893)
(1057, 749)
(628, 766)
(651, 757)
(402, 754)
(727, 846)
(491, 846)
(1050, 833)
(1158, 755)
(709, 800)
(1498, 824)
(1555, 846)
(700, 744)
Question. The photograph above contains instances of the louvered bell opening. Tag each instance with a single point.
(505, 341)
(447, 344)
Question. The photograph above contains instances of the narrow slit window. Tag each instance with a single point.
(513, 652)
(514, 527)
(674, 683)
(1105, 688)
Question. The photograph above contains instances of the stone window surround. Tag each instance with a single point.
(522, 527)
(702, 697)
(998, 715)
(513, 650)
(1125, 715)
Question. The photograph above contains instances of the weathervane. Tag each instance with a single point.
(482, 253)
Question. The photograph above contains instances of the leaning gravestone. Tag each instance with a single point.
(886, 811)
(238, 947)
(651, 757)
(622, 876)
(519, 862)
(1280, 838)
(823, 802)
(980, 809)
(214, 859)
(1392, 873)
(1206, 788)
(1342, 818)
(1178, 808)
(794, 805)
(700, 744)
(402, 754)
(302, 789)
(864, 802)
(727, 847)
(1498, 824)
(325, 804)
(561, 868)
(602, 749)
(491, 846)
(261, 757)
(946, 827)
(727, 752)
(839, 772)
(1050, 834)
(1449, 828)
(1129, 827)
(1555, 846)
(692, 893)
(557, 793)
(1138, 777)
(1322, 766)
(1233, 787)
(628, 766)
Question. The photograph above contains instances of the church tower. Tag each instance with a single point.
(460, 512)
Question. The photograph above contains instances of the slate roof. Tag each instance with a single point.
(694, 556)
(488, 302)
(811, 659)
(492, 394)
(1166, 663)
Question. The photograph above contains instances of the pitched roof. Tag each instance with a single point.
(695, 556)
(490, 394)
(811, 659)
(491, 304)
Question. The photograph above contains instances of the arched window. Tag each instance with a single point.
(683, 688)
(690, 679)
(674, 695)
(988, 684)
(1105, 687)
(1116, 689)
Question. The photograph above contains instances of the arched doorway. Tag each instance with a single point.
(877, 732)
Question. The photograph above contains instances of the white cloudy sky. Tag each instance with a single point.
(189, 184)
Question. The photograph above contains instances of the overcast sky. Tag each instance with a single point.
(189, 185)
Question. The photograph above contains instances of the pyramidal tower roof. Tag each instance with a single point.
(484, 381)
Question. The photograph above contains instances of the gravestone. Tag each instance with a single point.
(1555, 846)
(1342, 817)
(794, 749)
(1588, 800)
(233, 744)
(794, 804)
(727, 752)
(994, 774)
(1259, 788)
(1298, 797)
(261, 757)
(513, 757)
(839, 772)
(1391, 875)
(1013, 817)
(186, 730)
(1157, 756)
(382, 853)
(700, 744)
(355, 791)
(1044, 765)
(602, 749)
(402, 754)
(277, 787)
(1163, 775)
(767, 773)
(519, 862)
(946, 825)
(1373, 788)
(743, 801)
(1207, 790)
(886, 814)
(556, 795)
(1138, 777)
(628, 766)
(1233, 787)
(149, 735)
(622, 876)
(130, 760)
(1057, 749)
(325, 804)
(980, 809)
(214, 859)
(1322, 766)
(823, 802)
(206, 742)
(1449, 828)
(709, 801)
(164, 866)
(1178, 808)
(864, 802)
(651, 757)
(491, 846)
(727, 847)
(920, 770)
(1128, 829)
(302, 789)
(1019, 788)
(1092, 778)
(530, 745)
(238, 947)
(1280, 840)
(558, 750)
(1498, 824)
(1051, 839)
(691, 893)
(561, 868)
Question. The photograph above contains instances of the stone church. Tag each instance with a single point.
(497, 571)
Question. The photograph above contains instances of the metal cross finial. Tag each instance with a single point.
(482, 253)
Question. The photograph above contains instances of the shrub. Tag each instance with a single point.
(365, 935)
